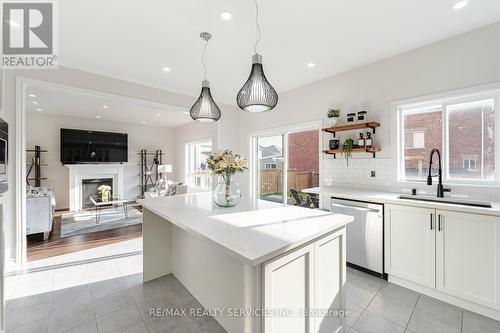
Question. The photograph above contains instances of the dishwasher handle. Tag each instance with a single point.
(361, 209)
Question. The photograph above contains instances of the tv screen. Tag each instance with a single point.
(82, 146)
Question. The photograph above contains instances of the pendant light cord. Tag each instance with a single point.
(258, 26)
(203, 62)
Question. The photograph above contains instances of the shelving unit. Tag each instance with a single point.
(148, 172)
(343, 128)
(35, 167)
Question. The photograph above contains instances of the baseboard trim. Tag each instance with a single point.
(473, 307)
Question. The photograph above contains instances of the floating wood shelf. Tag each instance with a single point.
(343, 128)
(371, 150)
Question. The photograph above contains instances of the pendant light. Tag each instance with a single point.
(204, 109)
(257, 94)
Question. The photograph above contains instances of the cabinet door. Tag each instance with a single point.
(468, 257)
(329, 279)
(289, 284)
(410, 248)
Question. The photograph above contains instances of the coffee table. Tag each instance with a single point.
(98, 204)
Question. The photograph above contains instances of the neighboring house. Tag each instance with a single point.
(270, 157)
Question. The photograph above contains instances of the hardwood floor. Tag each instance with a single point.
(55, 245)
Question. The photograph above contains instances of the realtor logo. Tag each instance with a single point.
(28, 35)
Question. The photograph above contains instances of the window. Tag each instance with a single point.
(415, 139)
(270, 166)
(462, 128)
(198, 174)
(470, 164)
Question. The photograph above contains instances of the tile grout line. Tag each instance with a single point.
(462, 322)
(367, 305)
(411, 316)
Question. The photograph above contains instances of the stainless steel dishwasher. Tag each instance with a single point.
(364, 236)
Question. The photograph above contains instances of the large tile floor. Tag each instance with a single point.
(109, 296)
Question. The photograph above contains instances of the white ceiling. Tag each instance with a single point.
(133, 40)
(72, 102)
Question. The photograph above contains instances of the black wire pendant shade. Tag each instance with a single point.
(204, 109)
(257, 94)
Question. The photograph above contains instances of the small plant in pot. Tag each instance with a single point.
(347, 149)
(333, 116)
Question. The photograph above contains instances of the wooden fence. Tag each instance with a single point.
(271, 181)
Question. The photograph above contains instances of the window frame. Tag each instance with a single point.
(442, 100)
(187, 155)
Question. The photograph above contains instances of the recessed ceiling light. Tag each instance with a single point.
(166, 69)
(158, 114)
(32, 95)
(39, 110)
(460, 4)
(98, 117)
(185, 112)
(35, 102)
(311, 65)
(225, 15)
(105, 106)
(143, 122)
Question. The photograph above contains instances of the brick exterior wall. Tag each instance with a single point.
(303, 151)
(464, 137)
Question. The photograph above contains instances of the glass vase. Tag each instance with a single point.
(227, 192)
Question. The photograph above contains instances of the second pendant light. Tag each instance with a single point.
(257, 94)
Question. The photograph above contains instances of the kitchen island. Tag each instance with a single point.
(257, 265)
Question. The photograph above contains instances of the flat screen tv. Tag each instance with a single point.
(82, 146)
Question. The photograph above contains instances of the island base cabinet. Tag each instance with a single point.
(304, 288)
(468, 257)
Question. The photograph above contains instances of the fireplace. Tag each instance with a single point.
(89, 188)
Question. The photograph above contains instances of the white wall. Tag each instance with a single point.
(43, 130)
(464, 61)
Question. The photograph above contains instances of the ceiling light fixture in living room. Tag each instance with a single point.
(257, 94)
(205, 109)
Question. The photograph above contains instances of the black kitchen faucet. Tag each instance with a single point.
(440, 188)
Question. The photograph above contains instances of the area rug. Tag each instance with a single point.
(84, 222)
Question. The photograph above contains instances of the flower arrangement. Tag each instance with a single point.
(225, 164)
(104, 191)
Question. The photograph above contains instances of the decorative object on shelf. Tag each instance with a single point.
(361, 141)
(334, 144)
(350, 118)
(369, 140)
(333, 116)
(105, 192)
(148, 170)
(35, 167)
(362, 116)
(225, 164)
(205, 109)
(257, 94)
(347, 149)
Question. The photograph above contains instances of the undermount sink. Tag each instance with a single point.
(452, 201)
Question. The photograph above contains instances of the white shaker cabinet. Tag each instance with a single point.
(468, 257)
(309, 278)
(410, 244)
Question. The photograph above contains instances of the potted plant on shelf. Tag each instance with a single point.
(104, 191)
(347, 149)
(225, 164)
(333, 116)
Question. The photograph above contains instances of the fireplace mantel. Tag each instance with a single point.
(79, 172)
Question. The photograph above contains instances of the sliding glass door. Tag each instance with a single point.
(270, 166)
(287, 164)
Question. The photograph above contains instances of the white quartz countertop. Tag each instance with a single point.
(393, 198)
(254, 231)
